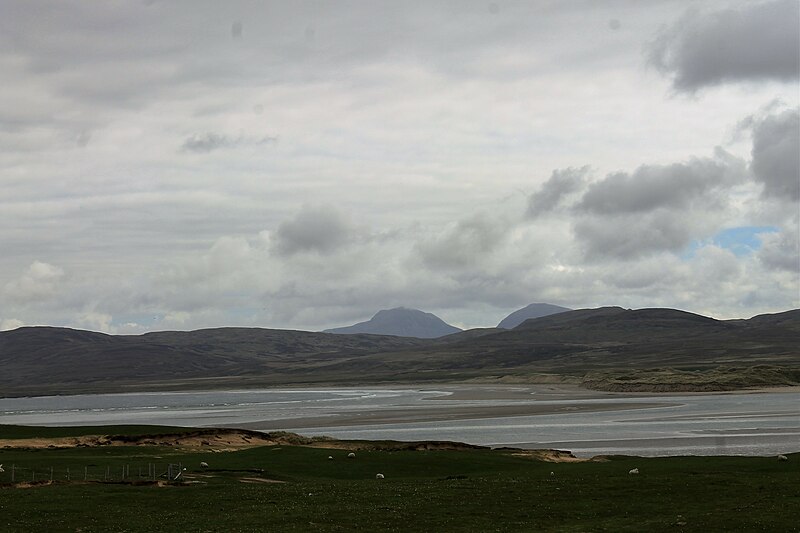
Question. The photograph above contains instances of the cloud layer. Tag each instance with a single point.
(751, 42)
(174, 165)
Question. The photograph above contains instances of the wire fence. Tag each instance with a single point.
(96, 473)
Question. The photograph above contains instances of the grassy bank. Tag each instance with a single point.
(294, 488)
(695, 380)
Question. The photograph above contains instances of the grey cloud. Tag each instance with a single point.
(313, 229)
(208, 142)
(776, 154)
(562, 182)
(657, 207)
(653, 186)
(633, 235)
(756, 42)
(460, 247)
(168, 49)
(780, 251)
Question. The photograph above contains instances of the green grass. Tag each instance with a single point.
(472, 490)
(697, 379)
(30, 432)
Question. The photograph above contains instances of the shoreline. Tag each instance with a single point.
(438, 414)
(456, 388)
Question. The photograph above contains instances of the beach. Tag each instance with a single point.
(466, 402)
(524, 416)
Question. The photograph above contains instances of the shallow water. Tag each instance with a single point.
(711, 424)
(763, 424)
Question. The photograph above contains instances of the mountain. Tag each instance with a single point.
(401, 322)
(531, 311)
(574, 343)
(569, 345)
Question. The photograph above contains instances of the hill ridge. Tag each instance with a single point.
(402, 322)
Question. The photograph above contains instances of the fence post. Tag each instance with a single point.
(13, 467)
(85, 473)
(51, 473)
(68, 478)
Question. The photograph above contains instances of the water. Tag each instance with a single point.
(200, 409)
(713, 424)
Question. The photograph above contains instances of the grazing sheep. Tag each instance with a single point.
(351, 455)
(203, 464)
(378, 476)
(634, 471)
(552, 474)
(330, 458)
(1, 468)
(780, 458)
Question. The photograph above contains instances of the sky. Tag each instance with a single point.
(302, 165)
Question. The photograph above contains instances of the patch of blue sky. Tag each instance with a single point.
(742, 241)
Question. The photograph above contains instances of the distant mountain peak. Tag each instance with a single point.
(402, 322)
(536, 310)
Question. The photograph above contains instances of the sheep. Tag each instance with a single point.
(552, 474)
(351, 455)
(634, 471)
(780, 458)
(330, 458)
(1, 468)
(378, 476)
(203, 464)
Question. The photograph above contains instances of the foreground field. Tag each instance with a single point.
(285, 487)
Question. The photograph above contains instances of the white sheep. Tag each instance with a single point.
(378, 476)
(552, 474)
(1, 468)
(351, 455)
(780, 458)
(330, 458)
(634, 471)
(203, 464)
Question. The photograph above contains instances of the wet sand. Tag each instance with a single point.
(499, 401)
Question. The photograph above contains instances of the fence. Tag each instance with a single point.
(95, 473)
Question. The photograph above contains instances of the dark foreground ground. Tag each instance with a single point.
(292, 485)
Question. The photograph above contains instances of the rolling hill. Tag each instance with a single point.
(574, 345)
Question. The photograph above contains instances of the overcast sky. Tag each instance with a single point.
(186, 164)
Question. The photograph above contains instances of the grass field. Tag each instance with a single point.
(291, 488)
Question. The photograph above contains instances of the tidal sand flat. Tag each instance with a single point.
(529, 416)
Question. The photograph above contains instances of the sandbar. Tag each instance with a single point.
(470, 402)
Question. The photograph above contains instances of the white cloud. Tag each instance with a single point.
(40, 281)
(7, 324)
(415, 166)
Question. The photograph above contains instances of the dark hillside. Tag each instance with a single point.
(570, 345)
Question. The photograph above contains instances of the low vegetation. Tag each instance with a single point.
(698, 380)
(282, 487)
